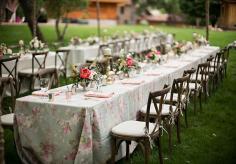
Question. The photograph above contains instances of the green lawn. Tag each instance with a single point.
(211, 136)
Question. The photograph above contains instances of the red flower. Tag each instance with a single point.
(129, 61)
(84, 73)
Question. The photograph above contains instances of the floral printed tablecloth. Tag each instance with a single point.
(78, 130)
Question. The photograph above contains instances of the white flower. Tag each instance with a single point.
(36, 44)
(41, 45)
(9, 51)
(107, 51)
(92, 74)
(122, 52)
(195, 35)
(21, 43)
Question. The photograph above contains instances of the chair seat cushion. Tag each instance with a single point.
(7, 119)
(192, 86)
(165, 109)
(59, 67)
(132, 128)
(28, 71)
(175, 97)
(193, 77)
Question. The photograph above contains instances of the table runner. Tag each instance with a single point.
(78, 130)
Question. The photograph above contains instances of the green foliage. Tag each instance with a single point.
(196, 9)
(57, 8)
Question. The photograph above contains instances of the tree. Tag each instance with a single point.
(195, 9)
(59, 8)
(29, 8)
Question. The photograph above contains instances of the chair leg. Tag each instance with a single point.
(170, 139)
(205, 90)
(113, 154)
(178, 128)
(147, 150)
(127, 149)
(186, 117)
(200, 100)
(159, 149)
(195, 102)
(19, 87)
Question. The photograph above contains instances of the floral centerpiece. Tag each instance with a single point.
(75, 41)
(23, 49)
(179, 48)
(199, 39)
(35, 44)
(4, 50)
(153, 56)
(84, 75)
(92, 40)
(126, 63)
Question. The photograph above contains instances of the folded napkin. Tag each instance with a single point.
(186, 60)
(152, 74)
(132, 81)
(43, 93)
(171, 66)
(98, 94)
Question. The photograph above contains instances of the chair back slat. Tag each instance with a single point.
(181, 87)
(62, 58)
(157, 98)
(39, 60)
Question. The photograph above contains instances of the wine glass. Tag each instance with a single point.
(44, 84)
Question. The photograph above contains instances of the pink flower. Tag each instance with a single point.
(129, 61)
(158, 52)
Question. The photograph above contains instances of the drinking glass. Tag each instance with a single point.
(44, 84)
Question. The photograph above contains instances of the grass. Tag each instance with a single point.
(211, 136)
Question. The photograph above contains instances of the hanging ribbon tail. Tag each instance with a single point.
(146, 132)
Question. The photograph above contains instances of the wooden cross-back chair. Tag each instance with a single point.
(195, 89)
(38, 64)
(102, 61)
(202, 77)
(216, 69)
(11, 71)
(137, 46)
(126, 45)
(141, 132)
(62, 57)
(173, 105)
(180, 89)
(146, 45)
(7, 119)
(226, 60)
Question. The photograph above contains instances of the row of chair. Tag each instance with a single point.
(164, 107)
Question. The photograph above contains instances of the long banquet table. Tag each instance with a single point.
(78, 130)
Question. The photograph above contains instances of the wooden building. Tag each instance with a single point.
(111, 12)
(228, 14)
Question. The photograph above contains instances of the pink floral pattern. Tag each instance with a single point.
(69, 133)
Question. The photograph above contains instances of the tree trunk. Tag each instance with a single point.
(207, 18)
(60, 35)
(2, 10)
(28, 9)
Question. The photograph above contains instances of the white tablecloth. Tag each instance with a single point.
(78, 130)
